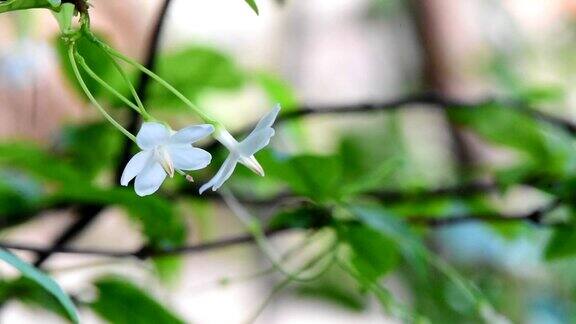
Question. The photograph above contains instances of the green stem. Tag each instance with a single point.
(154, 76)
(91, 97)
(383, 295)
(80, 60)
(130, 86)
(254, 228)
(327, 254)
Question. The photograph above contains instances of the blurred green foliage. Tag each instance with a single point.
(341, 190)
(121, 302)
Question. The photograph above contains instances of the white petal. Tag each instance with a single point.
(256, 141)
(222, 175)
(252, 164)
(191, 134)
(135, 166)
(269, 119)
(226, 139)
(150, 179)
(152, 134)
(186, 157)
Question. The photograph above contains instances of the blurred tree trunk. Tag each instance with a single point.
(437, 75)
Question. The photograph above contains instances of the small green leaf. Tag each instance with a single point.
(27, 157)
(31, 294)
(43, 280)
(374, 253)
(278, 91)
(386, 223)
(253, 5)
(194, 70)
(561, 245)
(13, 5)
(304, 217)
(89, 147)
(314, 176)
(121, 302)
(96, 59)
(65, 16)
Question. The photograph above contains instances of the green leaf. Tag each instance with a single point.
(278, 91)
(493, 122)
(96, 59)
(121, 302)
(43, 280)
(303, 217)
(28, 157)
(18, 200)
(193, 70)
(386, 223)
(561, 245)
(314, 176)
(89, 147)
(253, 5)
(13, 5)
(30, 293)
(374, 253)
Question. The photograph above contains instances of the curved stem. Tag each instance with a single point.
(254, 228)
(154, 76)
(131, 87)
(383, 295)
(331, 257)
(91, 97)
(80, 60)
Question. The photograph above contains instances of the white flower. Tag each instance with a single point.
(163, 152)
(243, 151)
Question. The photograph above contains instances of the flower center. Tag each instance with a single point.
(161, 155)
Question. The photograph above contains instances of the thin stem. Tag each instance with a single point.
(387, 301)
(80, 60)
(130, 86)
(329, 255)
(154, 76)
(260, 238)
(93, 100)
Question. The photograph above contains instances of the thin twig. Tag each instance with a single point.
(419, 100)
(536, 217)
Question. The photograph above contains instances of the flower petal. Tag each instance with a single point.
(135, 166)
(252, 164)
(222, 175)
(269, 119)
(191, 134)
(186, 157)
(256, 141)
(152, 134)
(150, 179)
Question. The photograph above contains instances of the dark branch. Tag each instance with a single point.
(422, 100)
(536, 218)
(430, 100)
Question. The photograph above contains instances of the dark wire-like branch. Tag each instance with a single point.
(419, 100)
(430, 100)
(536, 217)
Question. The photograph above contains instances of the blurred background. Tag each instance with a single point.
(314, 53)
